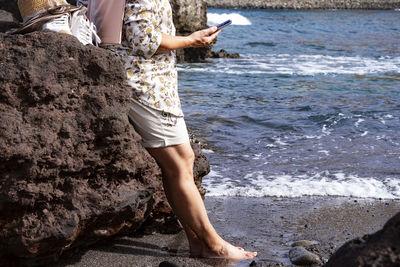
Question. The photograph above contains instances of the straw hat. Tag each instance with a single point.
(29, 8)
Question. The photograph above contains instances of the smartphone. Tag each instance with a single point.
(223, 24)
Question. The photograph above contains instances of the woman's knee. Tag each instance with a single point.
(186, 154)
(174, 161)
(190, 158)
(184, 165)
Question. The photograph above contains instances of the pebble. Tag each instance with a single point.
(301, 256)
(253, 264)
(304, 243)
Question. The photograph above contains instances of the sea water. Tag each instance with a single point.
(312, 107)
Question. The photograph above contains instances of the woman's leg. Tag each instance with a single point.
(176, 163)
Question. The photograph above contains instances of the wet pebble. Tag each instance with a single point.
(253, 264)
(304, 243)
(301, 256)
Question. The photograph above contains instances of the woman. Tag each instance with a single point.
(147, 49)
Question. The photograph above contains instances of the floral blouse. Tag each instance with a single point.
(152, 77)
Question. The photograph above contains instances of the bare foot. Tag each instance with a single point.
(221, 249)
(196, 248)
(227, 251)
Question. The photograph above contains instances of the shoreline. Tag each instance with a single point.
(306, 4)
(267, 225)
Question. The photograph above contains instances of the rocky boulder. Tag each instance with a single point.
(7, 21)
(9, 15)
(11, 7)
(222, 54)
(72, 169)
(381, 249)
(190, 16)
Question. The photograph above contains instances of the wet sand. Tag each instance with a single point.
(266, 225)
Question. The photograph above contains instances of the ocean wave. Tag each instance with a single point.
(237, 19)
(207, 151)
(320, 184)
(300, 65)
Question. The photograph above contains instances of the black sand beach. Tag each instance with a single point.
(267, 225)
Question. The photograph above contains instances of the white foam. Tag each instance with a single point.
(237, 19)
(325, 130)
(280, 142)
(358, 122)
(321, 184)
(326, 152)
(207, 151)
(379, 137)
(257, 156)
(300, 65)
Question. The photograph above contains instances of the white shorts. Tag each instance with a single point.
(157, 128)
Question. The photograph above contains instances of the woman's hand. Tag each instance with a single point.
(204, 37)
(197, 39)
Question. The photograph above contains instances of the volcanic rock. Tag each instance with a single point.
(380, 249)
(11, 7)
(190, 16)
(301, 256)
(7, 21)
(222, 54)
(72, 168)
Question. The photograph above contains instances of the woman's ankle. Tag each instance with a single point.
(214, 245)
